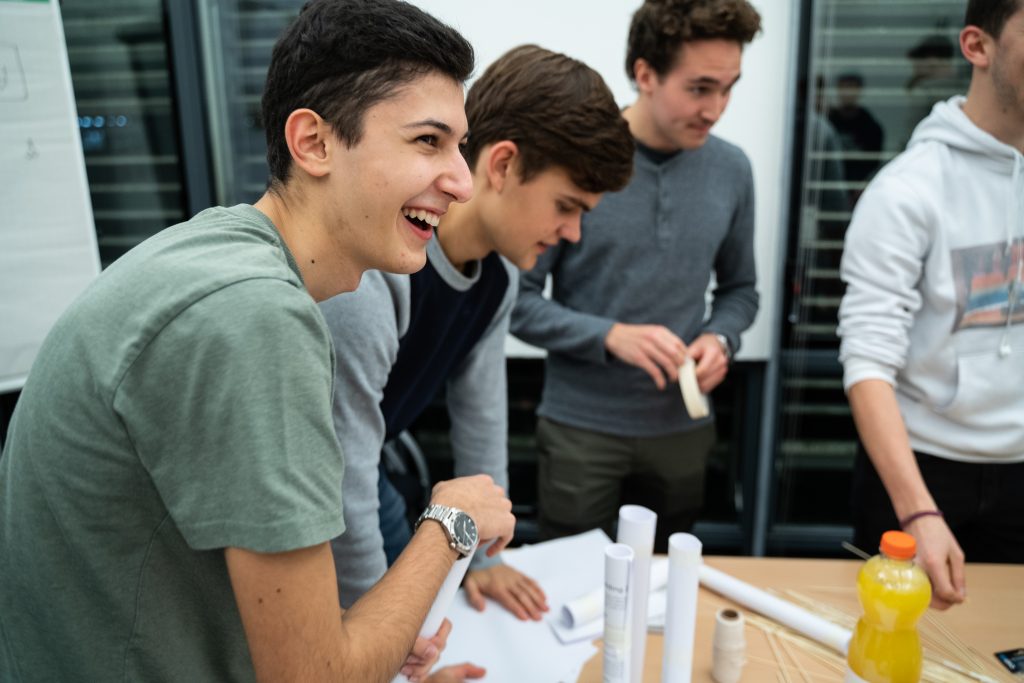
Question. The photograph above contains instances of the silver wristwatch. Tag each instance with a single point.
(726, 347)
(458, 527)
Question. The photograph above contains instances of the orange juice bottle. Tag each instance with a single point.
(894, 593)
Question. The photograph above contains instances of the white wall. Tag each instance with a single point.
(758, 118)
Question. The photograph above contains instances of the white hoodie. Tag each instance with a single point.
(933, 266)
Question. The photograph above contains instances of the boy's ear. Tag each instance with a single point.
(976, 46)
(500, 159)
(644, 75)
(309, 141)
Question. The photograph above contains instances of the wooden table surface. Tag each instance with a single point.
(991, 620)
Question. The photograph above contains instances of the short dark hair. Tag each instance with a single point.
(932, 47)
(850, 79)
(991, 15)
(341, 57)
(558, 111)
(660, 27)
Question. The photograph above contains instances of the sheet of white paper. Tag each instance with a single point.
(514, 651)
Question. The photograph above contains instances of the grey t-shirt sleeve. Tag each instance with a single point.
(364, 325)
(551, 325)
(228, 408)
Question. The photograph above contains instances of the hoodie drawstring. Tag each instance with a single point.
(1014, 219)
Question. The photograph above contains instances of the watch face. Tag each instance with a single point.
(465, 530)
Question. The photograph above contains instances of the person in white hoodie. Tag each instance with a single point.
(932, 341)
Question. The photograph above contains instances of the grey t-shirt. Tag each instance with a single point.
(180, 406)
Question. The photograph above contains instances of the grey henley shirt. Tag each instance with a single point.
(646, 256)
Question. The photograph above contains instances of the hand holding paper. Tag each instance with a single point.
(425, 652)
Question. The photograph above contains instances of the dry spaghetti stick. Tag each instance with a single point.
(823, 609)
(824, 655)
(792, 657)
(949, 637)
(967, 672)
(778, 657)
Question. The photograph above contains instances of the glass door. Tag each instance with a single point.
(118, 52)
(237, 38)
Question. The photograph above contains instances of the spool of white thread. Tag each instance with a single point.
(729, 646)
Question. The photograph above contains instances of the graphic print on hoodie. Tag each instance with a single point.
(987, 278)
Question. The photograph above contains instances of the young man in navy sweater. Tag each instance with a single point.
(547, 139)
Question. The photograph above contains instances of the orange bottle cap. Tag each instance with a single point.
(898, 545)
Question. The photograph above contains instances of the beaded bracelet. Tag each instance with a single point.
(917, 515)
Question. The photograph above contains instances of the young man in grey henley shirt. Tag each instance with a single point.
(628, 301)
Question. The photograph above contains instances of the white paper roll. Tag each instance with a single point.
(636, 529)
(786, 613)
(619, 592)
(729, 646)
(590, 607)
(442, 602)
(584, 609)
(445, 596)
(684, 552)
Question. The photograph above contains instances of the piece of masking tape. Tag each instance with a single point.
(696, 402)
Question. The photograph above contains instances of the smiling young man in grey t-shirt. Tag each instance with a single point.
(171, 477)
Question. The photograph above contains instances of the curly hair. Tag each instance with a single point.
(558, 111)
(660, 27)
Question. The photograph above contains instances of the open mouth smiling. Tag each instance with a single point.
(422, 220)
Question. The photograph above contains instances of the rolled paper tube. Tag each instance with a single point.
(618, 586)
(445, 596)
(729, 646)
(590, 607)
(442, 602)
(636, 529)
(681, 607)
(786, 613)
(584, 609)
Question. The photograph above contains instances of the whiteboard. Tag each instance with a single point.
(758, 118)
(48, 250)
